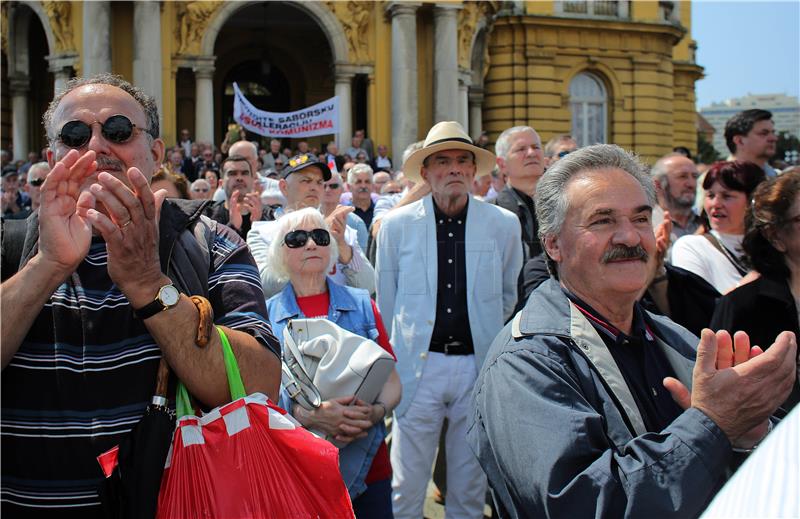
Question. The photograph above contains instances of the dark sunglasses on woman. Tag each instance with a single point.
(296, 239)
(36, 182)
(117, 129)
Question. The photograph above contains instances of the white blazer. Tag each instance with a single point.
(407, 273)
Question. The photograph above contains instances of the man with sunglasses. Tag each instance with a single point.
(89, 314)
(302, 184)
(36, 176)
(200, 190)
(558, 147)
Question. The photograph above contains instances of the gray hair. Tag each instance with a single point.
(44, 166)
(147, 103)
(659, 169)
(411, 148)
(355, 170)
(550, 147)
(551, 191)
(290, 222)
(503, 144)
(200, 182)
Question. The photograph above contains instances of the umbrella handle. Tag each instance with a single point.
(162, 378)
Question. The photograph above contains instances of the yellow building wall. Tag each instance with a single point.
(380, 121)
(534, 58)
(122, 39)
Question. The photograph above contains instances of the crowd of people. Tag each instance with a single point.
(575, 332)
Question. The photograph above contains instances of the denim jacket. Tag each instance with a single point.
(350, 308)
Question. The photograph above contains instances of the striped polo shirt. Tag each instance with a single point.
(86, 371)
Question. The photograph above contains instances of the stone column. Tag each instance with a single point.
(204, 102)
(61, 66)
(343, 90)
(96, 42)
(20, 88)
(445, 63)
(464, 81)
(475, 111)
(404, 76)
(147, 49)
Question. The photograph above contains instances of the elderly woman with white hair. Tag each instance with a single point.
(303, 253)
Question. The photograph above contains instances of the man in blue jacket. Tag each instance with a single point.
(582, 407)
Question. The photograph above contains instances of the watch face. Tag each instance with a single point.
(169, 295)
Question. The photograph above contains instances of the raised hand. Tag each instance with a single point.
(736, 385)
(130, 229)
(235, 211)
(65, 233)
(337, 223)
(253, 203)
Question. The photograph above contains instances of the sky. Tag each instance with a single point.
(746, 47)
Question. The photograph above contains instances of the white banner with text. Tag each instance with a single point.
(319, 119)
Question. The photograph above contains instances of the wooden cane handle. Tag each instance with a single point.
(162, 378)
(206, 323)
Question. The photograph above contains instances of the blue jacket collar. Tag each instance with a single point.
(287, 308)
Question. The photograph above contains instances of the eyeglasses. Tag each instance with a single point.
(117, 129)
(334, 185)
(36, 182)
(199, 190)
(296, 239)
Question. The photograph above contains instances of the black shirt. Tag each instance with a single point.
(452, 317)
(642, 363)
(219, 213)
(366, 215)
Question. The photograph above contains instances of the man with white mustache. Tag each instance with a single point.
(359, 181)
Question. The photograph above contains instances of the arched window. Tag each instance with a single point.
(589, 105)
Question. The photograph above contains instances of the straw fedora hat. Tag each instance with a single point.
(448, 135)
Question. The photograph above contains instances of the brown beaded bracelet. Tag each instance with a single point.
(206, 323)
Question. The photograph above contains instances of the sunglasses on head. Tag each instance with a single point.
(36, 182)
(117, 129)
(296, 239)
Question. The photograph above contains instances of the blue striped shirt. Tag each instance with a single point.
(86, 371)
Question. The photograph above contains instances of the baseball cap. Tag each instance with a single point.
(303, 161)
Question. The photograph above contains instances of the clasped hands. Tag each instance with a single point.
(737, 385)
(75, 199)
(345, 418)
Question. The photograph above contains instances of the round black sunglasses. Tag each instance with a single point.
(117, 129)
(296, 239)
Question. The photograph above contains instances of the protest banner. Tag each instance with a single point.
(319, 119)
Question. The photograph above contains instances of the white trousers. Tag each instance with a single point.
(444, 391)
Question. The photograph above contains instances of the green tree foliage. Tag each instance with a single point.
(706, 153)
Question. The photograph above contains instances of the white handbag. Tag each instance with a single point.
(321, 361)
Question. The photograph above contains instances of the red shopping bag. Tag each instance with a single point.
(249, 459)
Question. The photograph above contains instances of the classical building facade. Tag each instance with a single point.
(605, 71)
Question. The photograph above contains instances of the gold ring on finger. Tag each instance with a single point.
(125, 224)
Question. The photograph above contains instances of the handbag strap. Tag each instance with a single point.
(183, 403)
(725, 252)
(298, 383)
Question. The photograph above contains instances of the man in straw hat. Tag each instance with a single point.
(447, 277)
